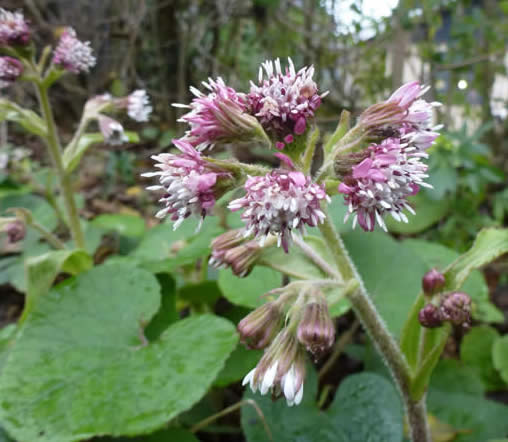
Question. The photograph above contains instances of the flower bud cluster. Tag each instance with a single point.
(10, 70)
(454, 307)
(232, 250)
(281, 370)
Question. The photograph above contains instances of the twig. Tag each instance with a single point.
(205, 422)
(338, 348)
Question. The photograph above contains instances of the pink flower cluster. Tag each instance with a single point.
(10, 70)
(381, 183)
(218, 116)
(188, 181)
(282, 104)
(72, 54)
(284, 101)
(14, 30)
(394, 168)
(280, 203)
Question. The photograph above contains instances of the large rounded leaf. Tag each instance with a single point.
(81, 367)
(366, 408)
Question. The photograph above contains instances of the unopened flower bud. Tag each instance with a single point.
(112, 131)
(259, 327)
(16, 231)
(456, 308)
(316, 329)
(430, 316)
(432, 282)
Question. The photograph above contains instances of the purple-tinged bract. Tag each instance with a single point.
(280, 203)
(219, 116)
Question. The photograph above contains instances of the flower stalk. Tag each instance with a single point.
(55, 152)
(378, 332)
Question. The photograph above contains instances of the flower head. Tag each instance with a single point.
(14, 30)
(10, 70)
(189, 183)
(430, 316)
(72, 54)
(433, 281)
(280, 203)
(138, 105)
(219, 116)
(232, 250)
(405, 115)
(381, 183)
(112, 131)
(284, 101)
(316, 330)
(16, 230)
(281, 370)
(259, 327)
(456, 308)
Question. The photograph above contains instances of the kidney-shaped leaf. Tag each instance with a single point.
(81, 368)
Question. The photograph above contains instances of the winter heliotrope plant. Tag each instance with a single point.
(377, 165)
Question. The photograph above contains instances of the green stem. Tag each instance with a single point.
(55, 152)
(48, 236)
(384, 342)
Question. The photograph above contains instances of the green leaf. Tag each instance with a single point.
(169, 435)
(489, 245)
(206, 292)
(476, 350)
(126, 225)
(41, 211)
(162, 249)
(167, 313)
(365, 408)
(239, 363)
(80, 351)
(391, 271)
(294, 264)
(248, 291)
(72, 154)
(500, 356)
(26, 118)
(456, 397)
(428, 212)
(42, 270)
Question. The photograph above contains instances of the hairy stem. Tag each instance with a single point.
(316, 258)
(55, 152)
(378, 332)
